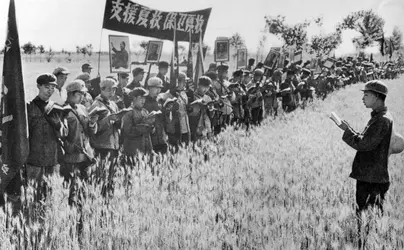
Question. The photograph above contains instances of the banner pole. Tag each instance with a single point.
(99, 54)
(148, 75)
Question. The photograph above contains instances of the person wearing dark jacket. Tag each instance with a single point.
(46, 128)
(370, 166)
(159, 137)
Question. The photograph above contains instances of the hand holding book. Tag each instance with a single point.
(340, 123)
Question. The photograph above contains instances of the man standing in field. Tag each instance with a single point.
(370, 166)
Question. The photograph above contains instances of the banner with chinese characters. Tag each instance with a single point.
(129, 17)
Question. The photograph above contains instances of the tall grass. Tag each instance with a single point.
(283, 185)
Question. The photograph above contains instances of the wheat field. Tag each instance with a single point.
(283, 185)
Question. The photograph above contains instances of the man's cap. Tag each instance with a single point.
(86, 66)
(46, 78)
(123, 75)
(108, 82)
(246, 72)
(212, 75)
(251, 61)
(290, 72)
(237, 73)
(376, 86)
(84, 77)
(223, 67)
(204, 81)
(76, 85)
(212, 66)
(139, 91)
(306, 71)
(233, 85)
(155, 82)
(182, 76)
(258, 72)
(112, 77)
(61, 70)
(163, 64)
(137, 71)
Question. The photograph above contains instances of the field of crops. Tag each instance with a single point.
(285, 185)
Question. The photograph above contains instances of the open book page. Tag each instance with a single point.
(335, 118)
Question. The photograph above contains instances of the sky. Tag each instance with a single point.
(63, 24)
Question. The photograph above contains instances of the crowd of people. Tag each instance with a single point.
(73, 123)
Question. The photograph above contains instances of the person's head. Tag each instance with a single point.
(123, 79)
(212, 75)
(246, 76)
(154, 48)
(204, 84)
(108, 87)
(163, 67)
(251, 62)
(86, 68)
(237, 75)
(222, 71)
(212, 67)
(154, 85)
(138, 74)
(258, 73)
(75, 91)
(277, 76)
(138, 96)
(46, 84)
(85, 77)
(289, 74)
(305, 73)
(123, 45)
(61, 74)
(182, 80)
(374, 94)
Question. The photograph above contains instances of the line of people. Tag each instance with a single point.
(73, 124)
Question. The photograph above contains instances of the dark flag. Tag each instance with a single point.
(391, 48)
(14, 125)
(173, 78)
(199, 63)
(381, 42)
(190, 65)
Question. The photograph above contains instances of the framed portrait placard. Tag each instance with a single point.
(272, 57)
(154, 49)
(222, 50)
(328, 63)
(119, 54)
(241, 58)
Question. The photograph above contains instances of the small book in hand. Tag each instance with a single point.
(98, 111)
(335, 118)
(154, 112)
(52, 107)
(123, 111)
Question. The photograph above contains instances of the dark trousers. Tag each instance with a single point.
(370, 195)
(106, 169)
(256, 116)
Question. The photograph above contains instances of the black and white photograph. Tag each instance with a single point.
(177, 124)
(154, 49)
(222, 53)
(119, 54)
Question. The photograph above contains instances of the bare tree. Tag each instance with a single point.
(236, 42)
